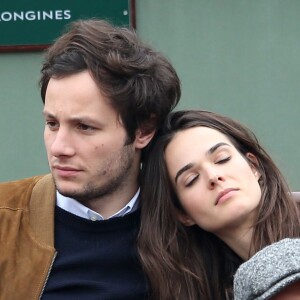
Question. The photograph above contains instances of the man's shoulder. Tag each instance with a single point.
(16, 193)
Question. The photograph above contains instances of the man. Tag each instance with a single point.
(72, 234)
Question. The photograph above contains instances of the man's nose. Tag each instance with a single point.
(62, 144)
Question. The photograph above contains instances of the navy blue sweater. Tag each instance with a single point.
(95, 259)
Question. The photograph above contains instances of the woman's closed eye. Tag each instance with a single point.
(191, 180)
(223, 160)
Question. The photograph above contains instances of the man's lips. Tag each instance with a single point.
(224, 195)
(65, 170)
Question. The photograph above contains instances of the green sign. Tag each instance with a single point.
(40, 22)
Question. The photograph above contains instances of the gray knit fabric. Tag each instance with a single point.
(268, 271)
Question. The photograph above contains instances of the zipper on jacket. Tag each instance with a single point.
(48, 274)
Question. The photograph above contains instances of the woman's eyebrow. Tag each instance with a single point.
(216, 147)
(182, 170)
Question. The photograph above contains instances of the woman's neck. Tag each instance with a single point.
(239, 240)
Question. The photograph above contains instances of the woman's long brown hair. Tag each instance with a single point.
(188, 263)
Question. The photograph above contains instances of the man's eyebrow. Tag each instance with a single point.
(190, 165)
(75, 119)
(47, 114)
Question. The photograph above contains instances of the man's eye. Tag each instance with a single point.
(85, 127)
(51, 124)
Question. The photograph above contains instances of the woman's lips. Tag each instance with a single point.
(225, 195)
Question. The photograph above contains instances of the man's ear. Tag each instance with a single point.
(185, 219)
(143, 138)
(253, 162)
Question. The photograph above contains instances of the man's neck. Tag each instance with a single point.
(75, 207)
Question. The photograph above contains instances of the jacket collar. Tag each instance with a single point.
(42, 205)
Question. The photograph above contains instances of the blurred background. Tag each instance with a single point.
(240, 58)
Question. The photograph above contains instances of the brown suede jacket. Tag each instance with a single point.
(26, 237)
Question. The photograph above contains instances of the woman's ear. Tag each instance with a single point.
(185, 219)
(253, 162)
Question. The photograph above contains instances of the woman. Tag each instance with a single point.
(212, 197)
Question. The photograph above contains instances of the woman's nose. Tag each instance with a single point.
(214, 179)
